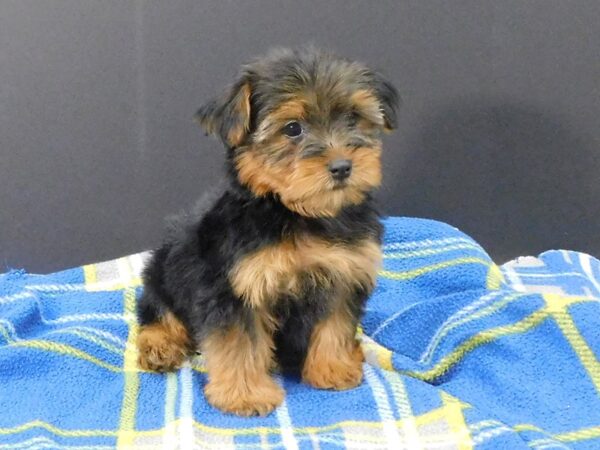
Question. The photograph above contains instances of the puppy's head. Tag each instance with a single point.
(305, 126)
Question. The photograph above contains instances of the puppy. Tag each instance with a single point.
(274, 270)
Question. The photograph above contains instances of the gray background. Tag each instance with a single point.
(499, 133)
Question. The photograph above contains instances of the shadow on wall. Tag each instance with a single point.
(499, 169)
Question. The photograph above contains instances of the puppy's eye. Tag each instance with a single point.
(353, 118)
(292, 129)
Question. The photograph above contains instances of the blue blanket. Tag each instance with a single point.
(460, 353)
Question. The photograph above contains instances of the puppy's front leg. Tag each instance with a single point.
(334, 358)
(238, 364)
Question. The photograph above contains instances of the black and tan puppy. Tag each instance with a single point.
(275, 269)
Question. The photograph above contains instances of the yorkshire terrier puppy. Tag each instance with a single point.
(275, 269)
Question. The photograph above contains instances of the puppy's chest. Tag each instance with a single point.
(289, 266)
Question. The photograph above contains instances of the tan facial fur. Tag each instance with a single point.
(275, 164)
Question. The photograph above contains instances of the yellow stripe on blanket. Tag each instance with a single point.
(456, 419)
(578, 435)
(478, 340)
(431, 251)
(558, 307)
(55, 430)
(409, 274)
(127, 432)
(526, 324)
(494, 278)
(56, 347)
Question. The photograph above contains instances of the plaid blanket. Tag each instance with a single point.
(461, 354)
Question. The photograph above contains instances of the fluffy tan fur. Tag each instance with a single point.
(163, 345)
(238, 371)
(267, 274)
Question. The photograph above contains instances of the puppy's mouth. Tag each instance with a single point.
(340, 185)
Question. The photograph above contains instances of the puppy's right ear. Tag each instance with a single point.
(389, 100)
(228, 117)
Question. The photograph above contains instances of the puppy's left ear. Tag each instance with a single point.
(228, 116)
(389, 100)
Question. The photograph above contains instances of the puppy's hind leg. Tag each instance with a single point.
(163, 341)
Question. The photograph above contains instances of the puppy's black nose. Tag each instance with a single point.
(340, 169)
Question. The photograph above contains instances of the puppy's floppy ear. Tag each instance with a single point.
(389, 99)
(228, 116)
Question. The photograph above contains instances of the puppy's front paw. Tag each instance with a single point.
(338, 372)
(243, 399)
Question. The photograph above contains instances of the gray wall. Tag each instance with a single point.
(499, 135)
